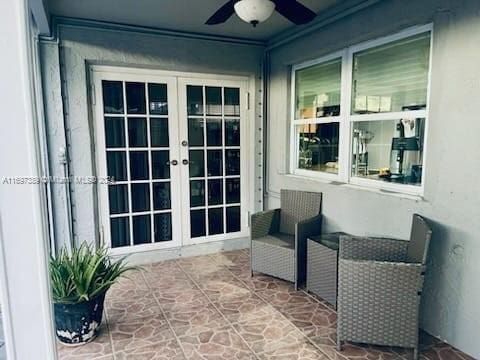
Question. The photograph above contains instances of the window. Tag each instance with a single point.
(360, 115)
(317, 116)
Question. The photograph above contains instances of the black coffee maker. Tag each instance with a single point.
(406, 152)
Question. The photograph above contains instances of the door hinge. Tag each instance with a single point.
(92, 92)
(248, 100)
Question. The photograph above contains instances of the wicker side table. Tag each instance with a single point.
(322, 266)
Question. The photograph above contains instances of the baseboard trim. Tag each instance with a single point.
(148, 257)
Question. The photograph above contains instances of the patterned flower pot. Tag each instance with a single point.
(77, 324)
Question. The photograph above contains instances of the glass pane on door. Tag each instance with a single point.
(157, 96)
(195, 100)
(161, 164)
(141, 229)
(163, 227)
(118, 198)
(197, 223)
(161, 196)
(140, 197)
(195, 132)
(214, 100)
(138, 159)
(232, 132)
(214, 163)
(215, 191)
(115, 132)
(233, 218)
(197, 193)
(135, 98)
(215, 221)
(120, 231)
(214, 132)
(112, 97)
(159, 132)
(213, 123)
(137, 132)
(117, 165)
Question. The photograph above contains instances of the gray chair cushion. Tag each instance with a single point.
(279, 239)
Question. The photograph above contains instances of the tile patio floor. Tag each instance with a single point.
(208, 307)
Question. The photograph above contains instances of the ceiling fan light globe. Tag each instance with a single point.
(254, 11)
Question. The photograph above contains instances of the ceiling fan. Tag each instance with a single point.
(257, 11)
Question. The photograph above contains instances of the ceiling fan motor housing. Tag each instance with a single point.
(254, 11)
(257, 11)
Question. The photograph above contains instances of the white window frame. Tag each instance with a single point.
(341, 119)
(346, 118)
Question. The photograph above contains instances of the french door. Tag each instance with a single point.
(174, 147)
(212, 128)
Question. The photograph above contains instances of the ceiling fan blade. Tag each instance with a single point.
(294, 11)
(222, 14)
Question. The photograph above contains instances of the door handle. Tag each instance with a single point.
(185, 162)
(173, 162)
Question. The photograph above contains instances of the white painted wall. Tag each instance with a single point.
(77, 48)
(25, 295)
(451, 202)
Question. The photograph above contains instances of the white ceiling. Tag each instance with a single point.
(181, 15)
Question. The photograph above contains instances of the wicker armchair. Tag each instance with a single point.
(379, 287)
(279, 237)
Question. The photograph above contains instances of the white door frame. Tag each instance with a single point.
(97, 76)
(25, 295)
(174, 81)
(242, 84)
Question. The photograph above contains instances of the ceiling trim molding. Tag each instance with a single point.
(61, 21)
(325, 18)
(329, 16)
(40, 15)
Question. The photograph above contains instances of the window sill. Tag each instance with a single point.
(377, 190)
(398, 194)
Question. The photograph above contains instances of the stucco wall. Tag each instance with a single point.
(65, 66)
(451, 201)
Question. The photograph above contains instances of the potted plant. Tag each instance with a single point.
(80, 279)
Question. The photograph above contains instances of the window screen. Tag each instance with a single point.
(318, 90)
(392, 77)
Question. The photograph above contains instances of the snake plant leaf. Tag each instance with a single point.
(84, 273)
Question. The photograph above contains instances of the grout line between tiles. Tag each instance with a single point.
(211, 302)
(244, 282)
(281, 314)
(165, 317)
(107, 323)
(230, 323)
(278, 311)
(405, 357)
